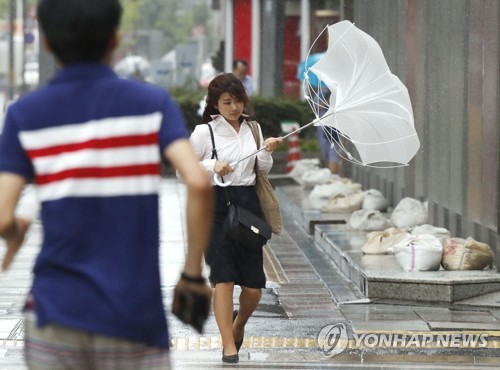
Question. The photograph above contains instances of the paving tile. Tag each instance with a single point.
(305, 285)
(311, 303)
(296, 294)
(308, 314)
(403, 359)
(446, 325)
(459, 316)
(375, 308)
(488, 360)
(496, 313)
(381, 316)
(389, 325)
(8, 326)
(489, 300)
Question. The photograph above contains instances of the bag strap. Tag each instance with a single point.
(214, 155)
(254, 126)
(214, 151)
(255, 132)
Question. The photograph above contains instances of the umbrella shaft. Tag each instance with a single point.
(300, 129)
(283, 137)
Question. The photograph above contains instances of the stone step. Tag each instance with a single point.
(379, 276)
(295, 200)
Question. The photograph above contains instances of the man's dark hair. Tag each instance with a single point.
(79, 30)
(238, 61)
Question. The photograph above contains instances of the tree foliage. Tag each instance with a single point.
(175, 18)
(131, 13)
(4, 7)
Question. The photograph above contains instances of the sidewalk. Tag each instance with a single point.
(305, 293)
(14, 285)
(417, 319)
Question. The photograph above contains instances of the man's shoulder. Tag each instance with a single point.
(122, 91)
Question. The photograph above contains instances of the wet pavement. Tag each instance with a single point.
(306, 293)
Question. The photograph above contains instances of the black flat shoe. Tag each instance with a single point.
(239, 343)
(230, 359)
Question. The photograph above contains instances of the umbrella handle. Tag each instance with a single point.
(220, 183)
(226, 183)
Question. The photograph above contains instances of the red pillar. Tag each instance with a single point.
(243, 31)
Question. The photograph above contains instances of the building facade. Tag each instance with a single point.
(274, 36)
(447, 53)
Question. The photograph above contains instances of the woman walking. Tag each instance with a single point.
(226, 113)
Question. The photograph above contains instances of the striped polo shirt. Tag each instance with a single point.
(92, 144)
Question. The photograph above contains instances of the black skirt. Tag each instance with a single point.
(230, 261)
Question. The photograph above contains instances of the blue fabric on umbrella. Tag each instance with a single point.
(302, 67)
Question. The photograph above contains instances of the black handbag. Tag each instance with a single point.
(241, 225)
(244, 227)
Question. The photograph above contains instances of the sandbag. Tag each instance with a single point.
(344, 203)
(373, 199)
(302, 165)
(409, 213)
(466, 254)
(439, 232)
(381, 242)
(369, 220)
(418, 253)
(331, 189)
(315, 176)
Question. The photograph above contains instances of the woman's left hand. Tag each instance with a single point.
(272, 143)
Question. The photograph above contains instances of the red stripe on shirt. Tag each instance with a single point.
(100, 172)
(114, 142)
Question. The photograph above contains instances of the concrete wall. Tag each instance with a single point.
(447, 54)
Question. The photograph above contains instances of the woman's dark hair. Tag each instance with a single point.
(225, 82)
(79, 30)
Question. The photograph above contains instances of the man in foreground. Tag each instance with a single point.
(92, 143)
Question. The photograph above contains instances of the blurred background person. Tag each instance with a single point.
(240, 70)
(326, 135)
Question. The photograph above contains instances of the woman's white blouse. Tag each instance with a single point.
(231, 146)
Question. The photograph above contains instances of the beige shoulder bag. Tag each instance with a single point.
(267, 198)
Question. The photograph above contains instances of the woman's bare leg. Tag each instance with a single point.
(223, 310)
(249, 300)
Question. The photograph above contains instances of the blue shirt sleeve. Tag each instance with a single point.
(13, 157)
(173, 126)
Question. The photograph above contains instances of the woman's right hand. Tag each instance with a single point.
(222, 168)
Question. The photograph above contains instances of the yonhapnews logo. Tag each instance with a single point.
(333, 340)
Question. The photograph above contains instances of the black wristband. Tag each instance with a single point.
(198, 279)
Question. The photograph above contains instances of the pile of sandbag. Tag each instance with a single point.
(369, 220)
(416, 245)
(336, 194)
(426, 248)
(301, 166)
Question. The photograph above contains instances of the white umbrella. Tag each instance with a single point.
(368, 105)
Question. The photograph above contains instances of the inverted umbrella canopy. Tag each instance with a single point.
(364, 102)
(369, 106)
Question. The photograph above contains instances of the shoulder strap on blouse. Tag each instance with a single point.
(214, 151)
